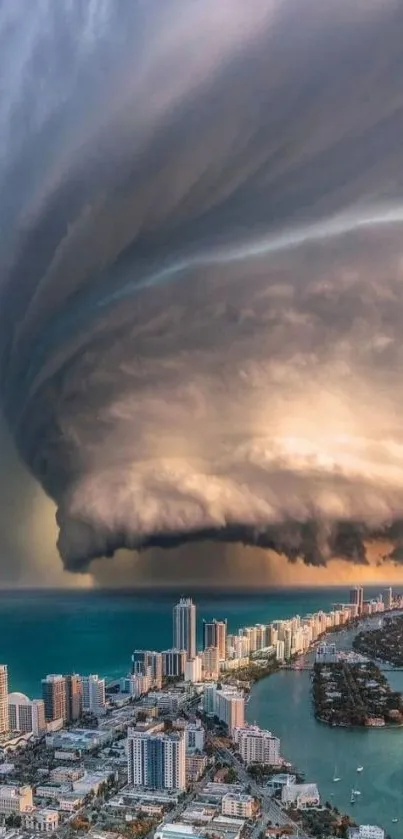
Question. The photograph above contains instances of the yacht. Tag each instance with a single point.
(360, 768)
(395, 820)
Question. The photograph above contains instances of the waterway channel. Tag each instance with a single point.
(282, 703)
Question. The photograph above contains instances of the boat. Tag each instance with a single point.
(395, 820)
(360, 768)
(335, 776)
(356, 792)
(352, 797)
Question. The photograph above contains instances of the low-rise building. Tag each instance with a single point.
(238, 805)
(15, 799)
(366, 831)
(70, 801)
(66, 774)
(302, 796)
(196, 764)
(44, 820)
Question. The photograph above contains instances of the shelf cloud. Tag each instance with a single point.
(201, 271)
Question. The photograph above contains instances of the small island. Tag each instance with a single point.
(358, 694)
(384, 643)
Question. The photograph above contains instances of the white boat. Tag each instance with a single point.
(352, 797)
(395, 820)
(360, 768)
(356, 792)
(335, 776)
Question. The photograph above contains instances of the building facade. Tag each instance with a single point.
(148, 663)
(54, 697)
(43, 820)
(184, 626)
(256, 745)
(173, 663)
(14, 799)
(74, 697)
(26, 715)
(238, 805)
(210, 663)
(156, 760)
(4, 725)
(215, 635)
(93, 694)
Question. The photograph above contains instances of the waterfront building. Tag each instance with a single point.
(15, 799)
(148, 663)
(388, 598)
(250, 633)
(238, 805)
(93, 694)
(357, 598)
(301, 796)
(54, 697)
(173, 663)
(215, 635)
(366, 831)
(210, 663)
(280, 651)
(193, 669)
(40, 819)
(230, 708)
(74, 697)
(156, 760)
(194, 736)
(4, 724)
(26, 715)
(184, 626)
(256, 745)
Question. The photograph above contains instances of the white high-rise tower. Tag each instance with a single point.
(3, 699)
(184, 626)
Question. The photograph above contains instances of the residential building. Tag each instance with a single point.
(184, 626)
(54, 697)
(173, 663)
(93, 694)
(256, 745)
(15, 799)
(4, 725)
(74, 697)
(357, 598)
(196, 765)
(148, 663)
(388, 599)
(210, 700)
(210, 663)
(231, 708)
(26, 715)
(156, 760)
(215, 635)
(43, 820)
(194, 736)
(193, 669)
(237, 804)
(302, 796)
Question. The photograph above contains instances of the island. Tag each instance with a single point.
(346, 694)
(385, 643)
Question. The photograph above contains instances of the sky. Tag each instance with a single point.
(201, 292)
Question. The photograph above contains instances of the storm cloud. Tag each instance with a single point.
(201, 271)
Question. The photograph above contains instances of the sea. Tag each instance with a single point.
(95, 631)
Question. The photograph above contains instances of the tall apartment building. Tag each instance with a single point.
(357, 598)
(4, 725)
(26, 715)
(255, 745)
(230, 708)
(210, 663)
(173, 663)
(184, 626)
(215, 635)
(148, 663)
(74, 697)
(93, 694)
(156, 760)
(388, 598)
(54, 697)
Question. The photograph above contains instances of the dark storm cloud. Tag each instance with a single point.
(201, 271)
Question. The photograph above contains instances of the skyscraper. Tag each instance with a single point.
(357, 598)
(26, 715)
(4, 726)
(173, 663)
(184, 626)
(388, 598)
(93, 694)
(156, 760)
(215, 635)
(74, 697)
(54, 697)
(148, 663)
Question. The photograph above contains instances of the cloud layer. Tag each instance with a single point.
(201, 287)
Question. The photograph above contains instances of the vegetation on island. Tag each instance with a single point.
(322, 822)
(384, 643)
(347, 694)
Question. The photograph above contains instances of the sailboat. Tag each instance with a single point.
(335, 776)
(352, 797)
(360, 768)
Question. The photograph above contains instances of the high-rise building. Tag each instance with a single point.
(4, 725)
(74, 697)
(193, 670)
(148, 663)
(210, 663)
(184, 626)
(357, 598)
(26, 715)
(54, 697)
(231, 708)
(388, 598)
(93, 694)
(256, 745)
(156, 760)
(173, 663)
(215, 635)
